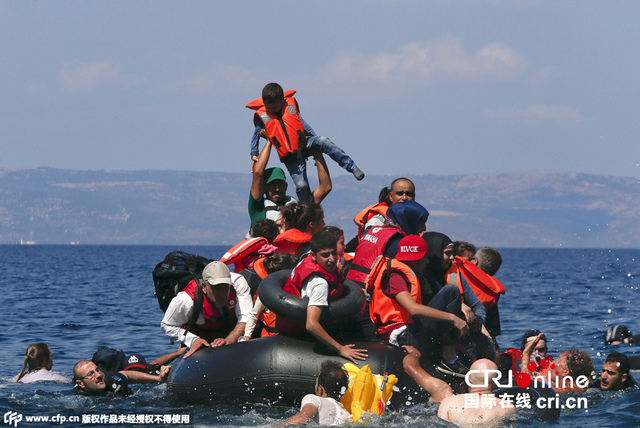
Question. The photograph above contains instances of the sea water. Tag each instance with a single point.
(76, 298)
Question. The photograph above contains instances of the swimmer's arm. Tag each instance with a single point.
(308, 411)
(526, 354)
(168, 358)
(140, 377)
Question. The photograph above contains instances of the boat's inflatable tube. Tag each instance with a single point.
(544, 402)
(282, 370)
(277, 370)
(348, 307)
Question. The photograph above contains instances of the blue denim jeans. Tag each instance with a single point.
(297, 166)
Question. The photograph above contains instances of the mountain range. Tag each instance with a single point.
(517, 209)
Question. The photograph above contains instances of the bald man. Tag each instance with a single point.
(480, 405)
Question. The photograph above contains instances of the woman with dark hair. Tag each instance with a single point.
(300, 221)
(441, 258)
(38, 356)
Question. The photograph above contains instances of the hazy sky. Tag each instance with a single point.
(405, 87)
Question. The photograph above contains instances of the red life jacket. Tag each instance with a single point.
(384, 310)
(366, 214)
(373, 244)
(486, 288)
(293, 286)
(516, 360)
(244, 253)
(217, 323)
(285, 131)
(291, 241)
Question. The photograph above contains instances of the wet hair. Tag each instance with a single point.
(323, 240)
(622, 360)
(266, 229)
(579, 363)
(300, 215)
(280, 261)
(37, 356)
(333, 379)
(272, 93)
(337, 232)
(489, 260)
(76, 369)
(459, 247)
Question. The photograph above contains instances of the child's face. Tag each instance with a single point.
(340, 247)
(274, 108)
(327, 258)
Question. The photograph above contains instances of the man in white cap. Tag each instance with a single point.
(209, 312)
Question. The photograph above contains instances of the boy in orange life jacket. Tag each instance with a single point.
(316, 278)
(278, 118)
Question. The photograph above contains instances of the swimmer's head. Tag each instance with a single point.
(616, 334)
(541, 347)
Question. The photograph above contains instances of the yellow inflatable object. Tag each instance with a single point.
(367, 392)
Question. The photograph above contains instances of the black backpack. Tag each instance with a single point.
(174, 273)
(109, 359)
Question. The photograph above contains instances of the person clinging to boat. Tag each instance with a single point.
(278, 119)
(317, 278)
(324, 407)
(90, 380)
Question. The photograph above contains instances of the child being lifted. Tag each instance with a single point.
(278, 118)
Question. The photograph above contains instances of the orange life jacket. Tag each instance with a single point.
(366, 214)
(486, 288)
(285, 131)
(291, 241)
(243, 254)
(258, 267)
(384, 310)
(267, 317)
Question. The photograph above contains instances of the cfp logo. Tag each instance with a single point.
(12, 418)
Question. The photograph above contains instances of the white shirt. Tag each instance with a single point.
(254, 314)
(180, 308)
(330, 411)
(375, 221)
(316, 289)
(43, 375)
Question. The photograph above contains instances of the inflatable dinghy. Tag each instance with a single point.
(277, 370)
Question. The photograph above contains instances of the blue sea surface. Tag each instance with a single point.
(76, 298)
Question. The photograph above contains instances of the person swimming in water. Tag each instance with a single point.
(38, 356)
